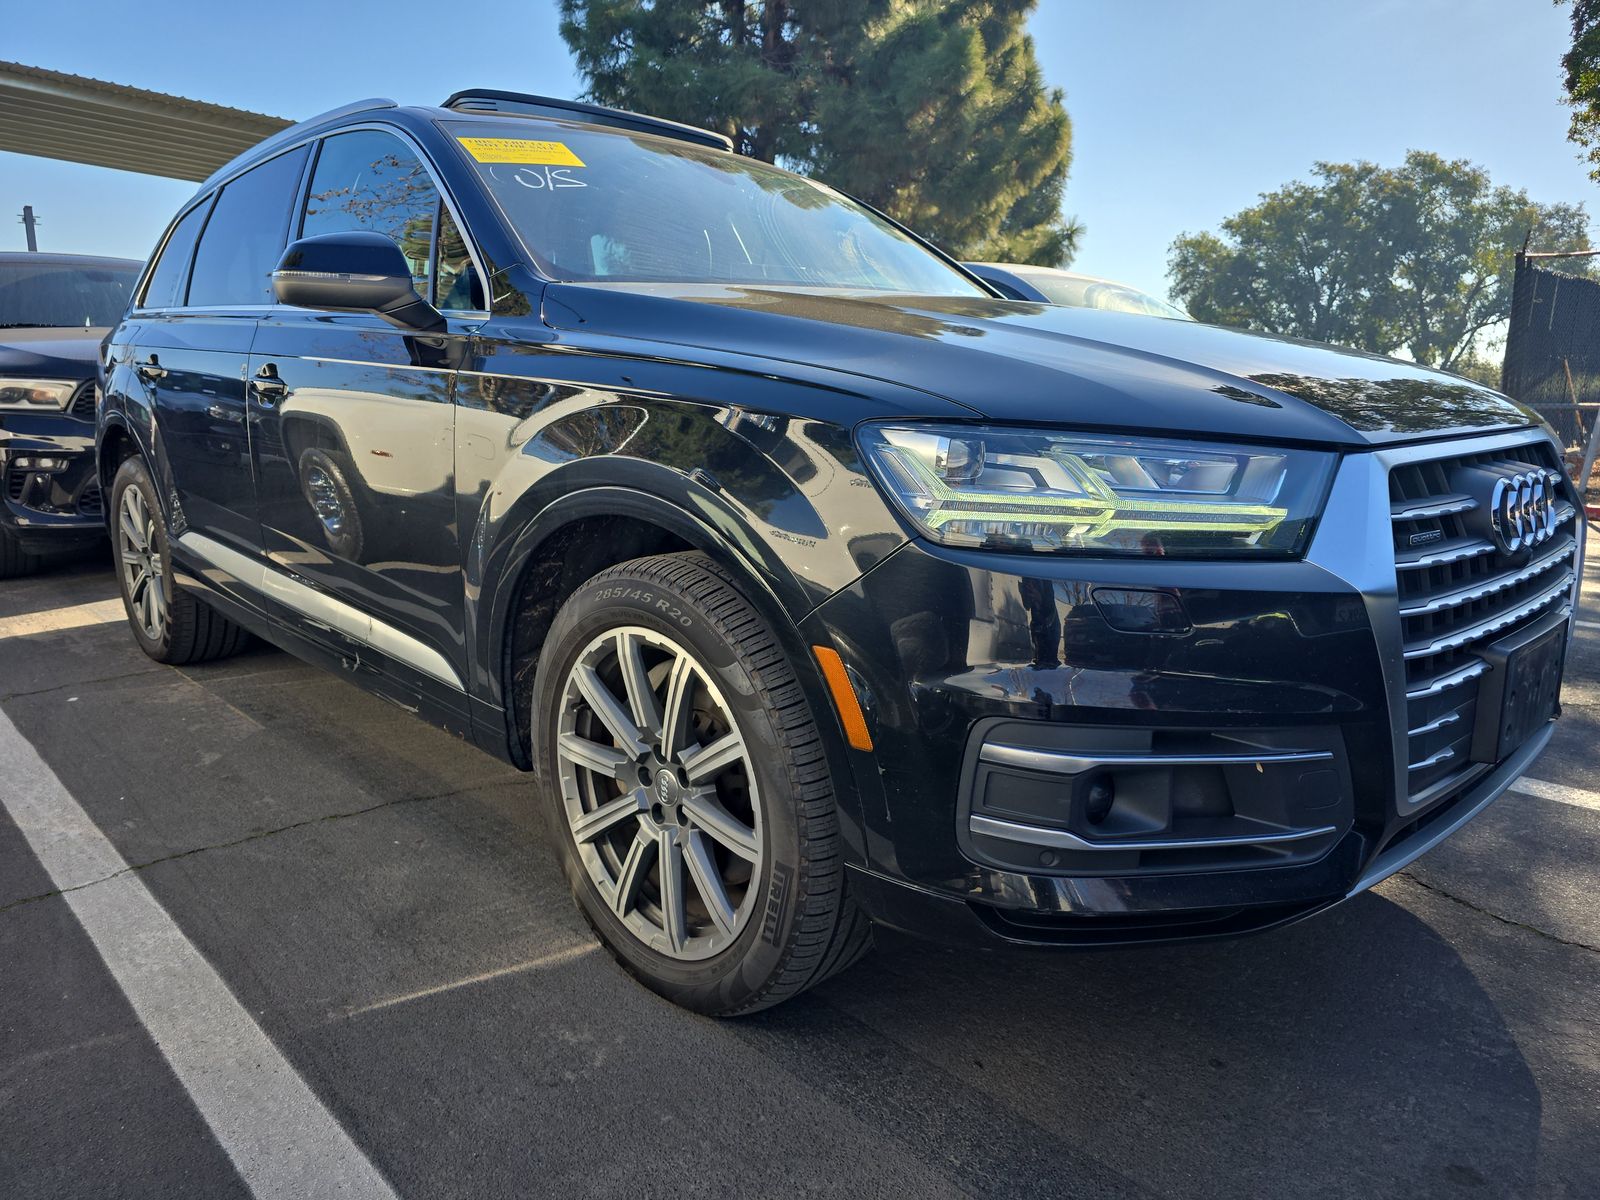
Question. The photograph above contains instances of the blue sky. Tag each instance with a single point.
(1183, 112)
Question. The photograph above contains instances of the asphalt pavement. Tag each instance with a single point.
(309, 926)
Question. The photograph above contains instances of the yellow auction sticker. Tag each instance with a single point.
(520, 150)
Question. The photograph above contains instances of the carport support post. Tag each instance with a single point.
(28, 223)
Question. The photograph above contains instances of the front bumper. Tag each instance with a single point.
(54, 509)
(1060, 759)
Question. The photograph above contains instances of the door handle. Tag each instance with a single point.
(150, 371)
(267, 388)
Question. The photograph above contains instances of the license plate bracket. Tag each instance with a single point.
(1521, 692)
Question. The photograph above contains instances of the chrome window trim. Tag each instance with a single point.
(297, 217)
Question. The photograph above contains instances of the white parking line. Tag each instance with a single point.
(77, 616)
(1588, 624)
(281, 1139)
(1576, 797)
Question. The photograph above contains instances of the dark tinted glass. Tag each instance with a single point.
(63, 294)
(171, 276)
(596, 204)
(371, 180)
(246, 234)
(458, 280)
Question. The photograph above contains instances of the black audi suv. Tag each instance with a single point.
(54, 310)
(818, 584)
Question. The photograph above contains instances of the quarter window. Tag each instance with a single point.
(371, 180)
(458, 284)
(245, 236)
(170, 278)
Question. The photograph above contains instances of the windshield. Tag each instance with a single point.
(1078, 291)
(597, 206)
(64, 294)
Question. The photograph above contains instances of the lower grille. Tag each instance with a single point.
(1461, 590)
(84, 402)
(16, 483)
(90, 501)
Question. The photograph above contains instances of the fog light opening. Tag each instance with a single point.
(1097, 804)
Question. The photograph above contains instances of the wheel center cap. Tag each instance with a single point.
(667, 791)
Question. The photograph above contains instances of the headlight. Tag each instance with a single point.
(36, 393)
(1019, 489)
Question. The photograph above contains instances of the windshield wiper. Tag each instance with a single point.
(33, 325)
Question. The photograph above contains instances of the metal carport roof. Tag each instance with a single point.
(55, 115)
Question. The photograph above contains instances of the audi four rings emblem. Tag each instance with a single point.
(1522, 510)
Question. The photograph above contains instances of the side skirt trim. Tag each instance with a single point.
(322, 609)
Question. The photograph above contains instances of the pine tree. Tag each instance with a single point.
(934, 111)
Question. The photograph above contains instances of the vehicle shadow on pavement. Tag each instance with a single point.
(1356, 1055)
(383, 899)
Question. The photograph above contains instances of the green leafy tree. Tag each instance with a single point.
(934, 111)
(1417, 258)
(1581, 67)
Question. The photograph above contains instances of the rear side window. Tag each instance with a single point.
(373, 181)
(171, 274)
(246, 234)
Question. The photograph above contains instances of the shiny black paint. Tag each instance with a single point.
(722, 419)
(51, 515)
(1013, 360)
(942, 639)
(189, 370)
(358, 394)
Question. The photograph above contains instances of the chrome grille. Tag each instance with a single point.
(1458, 592)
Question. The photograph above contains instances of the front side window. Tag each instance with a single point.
(246, 234)
(169, 280)
(38, 293)
(371, 180)
(596, 206)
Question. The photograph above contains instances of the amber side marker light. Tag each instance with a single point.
(844, 697)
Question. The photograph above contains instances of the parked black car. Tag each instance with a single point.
(1052, 285)
(54, 311)
(818, 584)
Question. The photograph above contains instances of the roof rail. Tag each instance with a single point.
(295, 131)
(520, 104)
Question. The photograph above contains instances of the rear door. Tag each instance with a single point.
(352, 423)
(193, 348)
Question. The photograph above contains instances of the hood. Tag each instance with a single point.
(51, 353)
(1085, 368)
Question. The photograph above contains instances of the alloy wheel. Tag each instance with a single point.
(659, 792)
(141, 563)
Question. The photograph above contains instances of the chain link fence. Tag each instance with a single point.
(1553, 360)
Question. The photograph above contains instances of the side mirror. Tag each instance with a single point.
(355, 271)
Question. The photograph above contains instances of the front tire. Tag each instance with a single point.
(687, 792)
(14, 561)
(171, 625)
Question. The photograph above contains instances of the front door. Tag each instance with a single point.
(352, 427)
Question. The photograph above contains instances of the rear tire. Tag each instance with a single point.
(171, 625)
(670, 730)
(14, 560)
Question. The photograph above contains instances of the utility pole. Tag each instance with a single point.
(29, 221)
